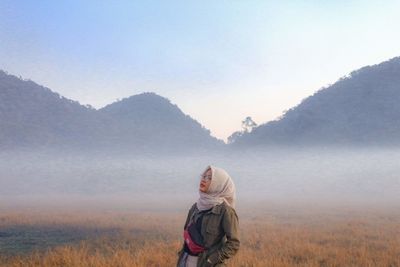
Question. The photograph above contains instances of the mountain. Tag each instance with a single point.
(148, 116)
(33, 116)
(359, 109)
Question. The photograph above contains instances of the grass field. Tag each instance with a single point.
(293, 235)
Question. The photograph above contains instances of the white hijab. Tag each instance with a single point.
(222, 189)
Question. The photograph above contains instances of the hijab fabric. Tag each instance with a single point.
(222, 189)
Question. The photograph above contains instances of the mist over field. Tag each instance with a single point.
(339, 145)
(157, 182)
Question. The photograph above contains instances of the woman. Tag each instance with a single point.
(211, 231)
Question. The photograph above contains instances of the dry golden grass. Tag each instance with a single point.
(272, 237)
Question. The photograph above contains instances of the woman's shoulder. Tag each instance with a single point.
(223, 207)
(226, 208)
(218, 209)
(193, 207)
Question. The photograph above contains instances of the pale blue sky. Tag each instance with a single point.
(219, 61)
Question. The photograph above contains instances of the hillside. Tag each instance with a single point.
(148, 116)
(33, 116)
(360, 109)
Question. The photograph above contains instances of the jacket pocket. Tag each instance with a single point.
(211, 236)
(212, 229)
(212, 232)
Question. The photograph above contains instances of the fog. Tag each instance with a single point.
(335, 175)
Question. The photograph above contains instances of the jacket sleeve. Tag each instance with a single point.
(186, 223)
(188, 216)
(230, 225)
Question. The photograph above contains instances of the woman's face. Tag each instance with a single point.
(205, 181)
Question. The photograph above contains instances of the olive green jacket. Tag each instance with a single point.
(220, 231)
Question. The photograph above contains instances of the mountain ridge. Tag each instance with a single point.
(32, 115)
(358, 109)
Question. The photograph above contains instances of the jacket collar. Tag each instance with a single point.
(217, 209)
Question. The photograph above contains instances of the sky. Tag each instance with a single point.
(218, 61)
